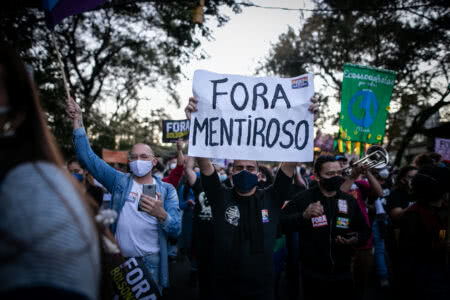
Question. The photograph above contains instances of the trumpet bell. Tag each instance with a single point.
(376, 158)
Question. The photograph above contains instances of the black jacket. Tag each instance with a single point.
(251, 275)
(319, 252)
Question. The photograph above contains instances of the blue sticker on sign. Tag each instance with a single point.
(300, 82)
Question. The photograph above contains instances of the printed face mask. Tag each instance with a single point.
(140, 168)
(244, 181)
(332, 184)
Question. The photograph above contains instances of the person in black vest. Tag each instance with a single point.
(245, 226)
(330, 223)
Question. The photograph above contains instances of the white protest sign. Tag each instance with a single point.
(252, 118)
(442, 146)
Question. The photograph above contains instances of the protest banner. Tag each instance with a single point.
(366, 93)
(112, 156)
(252, 118)
(130, 279)
(442, 146)
(174, 130)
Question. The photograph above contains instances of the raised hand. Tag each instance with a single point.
(314, 107)
(73, 111)
(191, 107)
(180, 144)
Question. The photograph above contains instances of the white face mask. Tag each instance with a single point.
(384, 173)
(141, 168)
(223, 177)
(172, 166)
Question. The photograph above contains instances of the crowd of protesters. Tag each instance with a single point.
(241, 225)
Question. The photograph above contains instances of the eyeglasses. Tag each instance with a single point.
(144, 156)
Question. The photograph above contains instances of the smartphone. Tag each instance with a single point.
(149, 190)
(350, 235)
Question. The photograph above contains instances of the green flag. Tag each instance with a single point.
(366, 93)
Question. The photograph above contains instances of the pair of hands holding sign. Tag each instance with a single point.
(192, 107)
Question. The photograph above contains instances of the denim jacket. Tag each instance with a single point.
(119, 184)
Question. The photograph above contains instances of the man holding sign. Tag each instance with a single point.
(246, 218)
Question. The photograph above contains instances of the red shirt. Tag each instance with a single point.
(174, 176)
(361, 191)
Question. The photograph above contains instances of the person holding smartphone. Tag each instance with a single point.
(147, 208)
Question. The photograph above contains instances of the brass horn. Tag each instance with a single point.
(376, 158)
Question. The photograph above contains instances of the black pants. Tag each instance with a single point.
(326, 289)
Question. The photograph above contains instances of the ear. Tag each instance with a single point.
(154, 162)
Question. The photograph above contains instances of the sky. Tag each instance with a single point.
(238, 46)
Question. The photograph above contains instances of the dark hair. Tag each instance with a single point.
(322, 159)
(402, 173)
(427, 159)
(74, 160)
(266, 172)
(430, 184)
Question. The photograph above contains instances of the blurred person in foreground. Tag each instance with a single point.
(49, 241)
(424, 242)
(144, 222)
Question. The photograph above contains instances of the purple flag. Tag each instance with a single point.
(57, 10)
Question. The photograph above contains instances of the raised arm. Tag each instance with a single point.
(374, 184)
(189, 172)
(206, 167)
(180, 155)
(99, 169)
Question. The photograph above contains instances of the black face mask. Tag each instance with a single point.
(332, 184)
(245, 181)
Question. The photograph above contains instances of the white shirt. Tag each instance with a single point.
(137, 231)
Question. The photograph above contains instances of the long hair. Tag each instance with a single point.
(32, 141)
